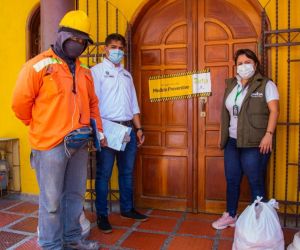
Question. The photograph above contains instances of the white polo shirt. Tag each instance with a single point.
(115, 90)
(271, 93)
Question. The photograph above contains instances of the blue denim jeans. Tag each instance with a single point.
(239, 161)
(125, 163)
(62, 183)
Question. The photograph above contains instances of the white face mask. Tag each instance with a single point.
(245, 70)
(116, 55)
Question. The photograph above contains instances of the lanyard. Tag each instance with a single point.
(237, 93)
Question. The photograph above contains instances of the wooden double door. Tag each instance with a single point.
(180, 166)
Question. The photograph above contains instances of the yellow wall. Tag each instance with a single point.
(13, 53)
(14, 15)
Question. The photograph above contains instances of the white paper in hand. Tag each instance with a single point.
(115, 134)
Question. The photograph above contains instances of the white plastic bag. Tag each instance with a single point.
(85, 225)
(258, 227)
(295, 245)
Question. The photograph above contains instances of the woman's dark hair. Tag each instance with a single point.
(250, 54)
(115, 37)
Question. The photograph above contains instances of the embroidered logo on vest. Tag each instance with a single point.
(257, 94)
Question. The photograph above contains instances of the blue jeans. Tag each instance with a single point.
(62, 183)
(239, 161)
(125, 163)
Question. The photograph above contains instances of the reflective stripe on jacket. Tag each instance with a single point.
(43, 99)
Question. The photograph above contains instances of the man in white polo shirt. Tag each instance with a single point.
(114, 87)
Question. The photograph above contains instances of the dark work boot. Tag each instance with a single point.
(133, 214)
(103, 224)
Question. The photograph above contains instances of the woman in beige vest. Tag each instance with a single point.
(249, 117)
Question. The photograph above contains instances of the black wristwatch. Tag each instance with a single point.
(137, 129)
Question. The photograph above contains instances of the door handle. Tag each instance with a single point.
(203, 101)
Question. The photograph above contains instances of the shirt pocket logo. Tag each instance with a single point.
(128, 76)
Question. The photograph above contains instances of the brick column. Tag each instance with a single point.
(51, 13)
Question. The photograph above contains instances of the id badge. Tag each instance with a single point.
(235, 110)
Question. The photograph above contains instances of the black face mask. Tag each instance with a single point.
(73, 49)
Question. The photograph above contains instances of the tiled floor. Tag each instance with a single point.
(164, 230)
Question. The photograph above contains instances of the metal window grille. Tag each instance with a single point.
(109, 19)
(283, 40)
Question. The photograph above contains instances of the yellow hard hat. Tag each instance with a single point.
(77, 20)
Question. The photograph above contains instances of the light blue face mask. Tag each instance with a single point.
(115, 55)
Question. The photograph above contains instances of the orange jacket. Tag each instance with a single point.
(43, 99)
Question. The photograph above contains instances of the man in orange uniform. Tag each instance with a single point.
(55, 97)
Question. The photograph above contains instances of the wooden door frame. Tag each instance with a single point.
(33, 32)
(192, 9)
